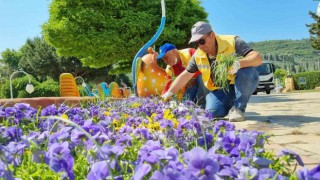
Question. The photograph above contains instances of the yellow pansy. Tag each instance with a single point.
(115, 122)
(168, 115)
(107, 113)
(150, 119)
(176, 123)
(64, 116)
(156, 126)
(125, 116)
(135, 105)
(188, 117)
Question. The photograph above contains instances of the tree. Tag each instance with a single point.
(280, 74)
(102, 33)
(11, 58)
(39, 59)
(314, 30)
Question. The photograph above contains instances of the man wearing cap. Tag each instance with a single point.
(243, 77)
(177, 61)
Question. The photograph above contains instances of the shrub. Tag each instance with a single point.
(49, 88)
(312, 80)
(18, 84)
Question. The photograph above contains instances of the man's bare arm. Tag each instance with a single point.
(180, 81)
(253, 58)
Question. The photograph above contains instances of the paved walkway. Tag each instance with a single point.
(292, 118)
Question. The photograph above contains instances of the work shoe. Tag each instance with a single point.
(235, 115)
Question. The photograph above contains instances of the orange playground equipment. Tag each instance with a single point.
(68, 86)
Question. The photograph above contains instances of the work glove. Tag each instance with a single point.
(167, 96)
(234, 68)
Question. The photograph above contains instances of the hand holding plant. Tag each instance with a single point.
(222, 69)
(234, 68)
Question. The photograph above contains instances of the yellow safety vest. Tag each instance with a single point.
(226, 46)
(185, 57)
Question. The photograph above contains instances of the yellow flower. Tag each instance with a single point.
(135, 105)
(150, 119)
(153, 115)
(125, 116)
(115, 122)
(107, 113)
(188, 117)
(168, 115)
(176, 123)
(64, 116)
(156, 126)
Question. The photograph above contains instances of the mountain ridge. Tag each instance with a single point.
(296, 55)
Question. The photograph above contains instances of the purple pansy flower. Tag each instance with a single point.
(99, 171)
(284, 152)
(230, 143)
(141, 171)
(248, 173)
(112, 151)
(49, 111)
(145, 154)
(205, 140)
(60, 159)
(200, 165)
(267, 173)
(14, 151)
(61, 135)
(306, 174)
(222, 126)
(13, 133)
(124, 140)
(262, 162)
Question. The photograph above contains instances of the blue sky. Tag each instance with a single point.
(252, 20)
(260, 20)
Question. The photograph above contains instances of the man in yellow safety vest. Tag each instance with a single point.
(243, 78)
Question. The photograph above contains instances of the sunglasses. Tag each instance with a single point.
(202, 41)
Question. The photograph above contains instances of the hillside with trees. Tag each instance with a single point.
(296, 55)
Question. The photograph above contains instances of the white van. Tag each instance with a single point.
(266, 77)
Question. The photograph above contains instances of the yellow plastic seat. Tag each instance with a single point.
(68, 86)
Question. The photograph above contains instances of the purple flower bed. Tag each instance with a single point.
(136, 138)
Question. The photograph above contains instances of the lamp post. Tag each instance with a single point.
(29, 87)
(83, 83)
